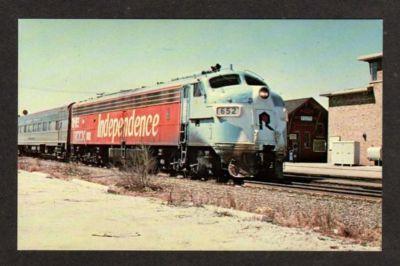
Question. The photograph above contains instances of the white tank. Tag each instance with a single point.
(374, 153)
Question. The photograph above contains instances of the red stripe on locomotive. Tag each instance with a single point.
(151, 125)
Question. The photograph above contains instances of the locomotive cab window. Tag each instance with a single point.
(224, 81)
(278, 100)
(252, 81)
(186, 92)
(197, 90)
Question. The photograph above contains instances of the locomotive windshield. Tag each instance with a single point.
(224, 80)
(278, 100)
(252, 81)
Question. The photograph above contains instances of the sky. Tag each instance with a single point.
(62, 61)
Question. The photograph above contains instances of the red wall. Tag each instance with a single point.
(296, 126)
(157, 125)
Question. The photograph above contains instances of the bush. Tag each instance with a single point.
(137, 168)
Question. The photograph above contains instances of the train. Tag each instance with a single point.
(221, 123)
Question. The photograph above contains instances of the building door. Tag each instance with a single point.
(305, 146)
(294, 145)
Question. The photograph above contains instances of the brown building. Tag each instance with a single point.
(307, 130)
(356, 114)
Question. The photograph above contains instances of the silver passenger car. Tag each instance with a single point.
(44, 132)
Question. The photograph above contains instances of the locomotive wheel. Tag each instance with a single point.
(278, 170)
(222, 177)
(201, 170)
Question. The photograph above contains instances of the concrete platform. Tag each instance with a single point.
(326, 169)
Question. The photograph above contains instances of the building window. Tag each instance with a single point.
(307, 140)
(365, 97)
(319, 145)
(25, 129)
(373, 69)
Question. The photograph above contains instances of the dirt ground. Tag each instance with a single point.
(56, 214)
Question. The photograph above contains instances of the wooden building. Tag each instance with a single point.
(307, 130)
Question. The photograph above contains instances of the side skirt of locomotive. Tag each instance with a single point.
(195, 162)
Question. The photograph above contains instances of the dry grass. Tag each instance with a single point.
(74, 169)
(324, 220)
(137, 169)
(33, 165)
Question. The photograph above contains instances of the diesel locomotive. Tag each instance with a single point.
(215, 123)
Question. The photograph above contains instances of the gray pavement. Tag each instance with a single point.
(326, 169)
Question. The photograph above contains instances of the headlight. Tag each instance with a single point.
(263, 93)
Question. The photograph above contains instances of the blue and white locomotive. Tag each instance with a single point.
(232, 121)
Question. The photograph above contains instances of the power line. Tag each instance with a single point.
(63, 91)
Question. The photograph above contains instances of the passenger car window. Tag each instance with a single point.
(58, 125)
(253, 81)
(224, 80)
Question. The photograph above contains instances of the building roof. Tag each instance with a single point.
(370, 57)
(293, 104)
(346, 91)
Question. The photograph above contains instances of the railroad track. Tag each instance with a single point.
(318, 184)
(352, 189)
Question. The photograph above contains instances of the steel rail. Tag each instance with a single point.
(321, 188)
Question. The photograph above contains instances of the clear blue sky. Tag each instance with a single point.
(61, 61)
